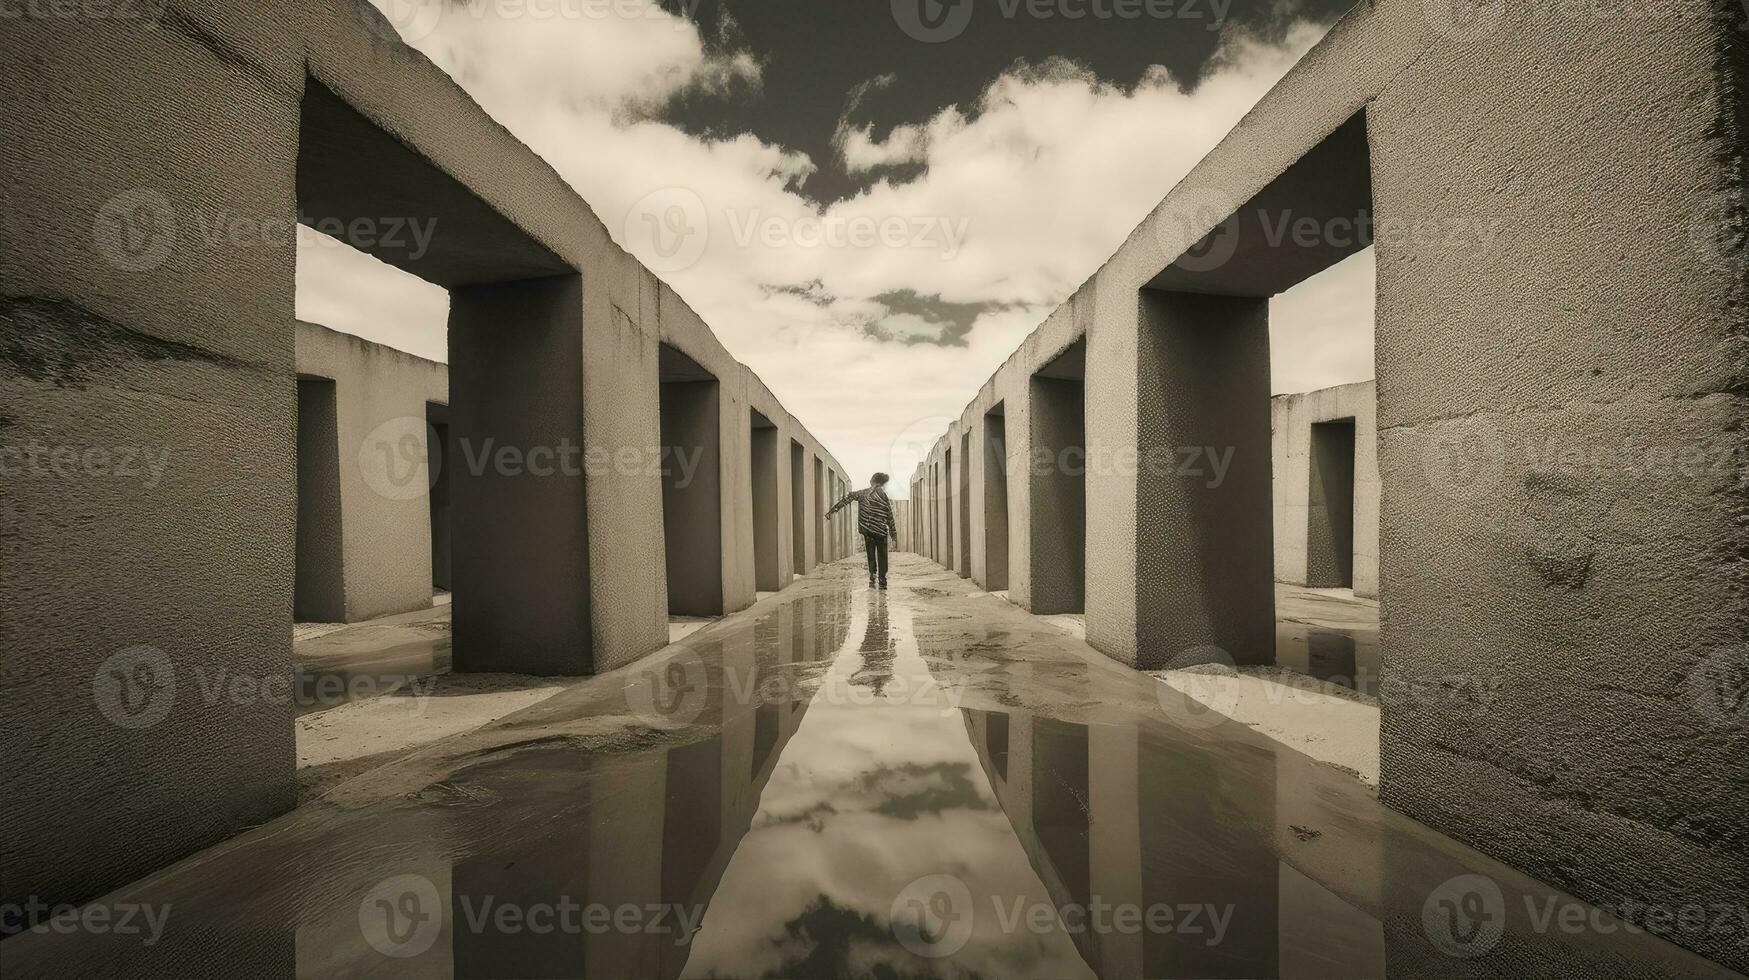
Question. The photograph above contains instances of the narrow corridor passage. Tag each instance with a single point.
(921, 782)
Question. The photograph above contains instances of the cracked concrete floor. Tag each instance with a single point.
(840, 782)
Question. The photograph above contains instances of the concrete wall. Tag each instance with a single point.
(1291, 420)
(382, 454)
(129, 329)
(1561, 399)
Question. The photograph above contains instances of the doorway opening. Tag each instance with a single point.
(765, 512)
(437, 458)
(798, 502)
(692, 512)
(1330, 506)
(1059, 483)
(319, 586)
(995, 500)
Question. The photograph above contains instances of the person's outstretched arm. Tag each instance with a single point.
(847, 498)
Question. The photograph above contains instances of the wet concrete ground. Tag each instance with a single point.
(839, 782)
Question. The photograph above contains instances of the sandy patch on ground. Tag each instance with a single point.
(360, 735)
(1331, 724)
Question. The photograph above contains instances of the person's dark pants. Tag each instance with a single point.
(877, 556)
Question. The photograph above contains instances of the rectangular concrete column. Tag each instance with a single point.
(131, 335)
(1204, 552)
(519, 539)
(1563, 587)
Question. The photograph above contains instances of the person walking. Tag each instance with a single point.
(875, 521)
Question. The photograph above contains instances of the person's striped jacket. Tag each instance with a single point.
(874, 512)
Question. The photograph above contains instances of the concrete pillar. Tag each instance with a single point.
(798, 502)
(1204, 553)
(124, 331)
(520, 556)
(1561, 437)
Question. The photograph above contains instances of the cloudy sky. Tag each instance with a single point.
(871, 201)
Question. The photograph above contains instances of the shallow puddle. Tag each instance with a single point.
(872, 784)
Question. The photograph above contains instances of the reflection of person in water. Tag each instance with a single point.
(877, 647)
(875, 521)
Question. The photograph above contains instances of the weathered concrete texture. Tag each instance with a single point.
(1560, 321)
(1292, 418)
(1204, 588)
(127, 323)
(384, 460)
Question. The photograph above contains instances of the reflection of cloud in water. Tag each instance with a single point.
(865, 800)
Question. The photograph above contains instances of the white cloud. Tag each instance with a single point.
(1022, 196)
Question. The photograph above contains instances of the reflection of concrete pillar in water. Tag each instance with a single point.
(1324, 934)
(402, 906)
(1205, 834)
(1115, 845)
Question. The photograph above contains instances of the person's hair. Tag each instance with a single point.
(879, 479)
